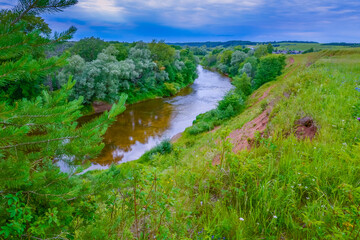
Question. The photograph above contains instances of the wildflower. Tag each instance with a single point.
(358, 119)
(313, 180)
(292, 186)
(305, 187)
(307, 198)
(358, 89)
(275, 216)
(201, 203)
(241, 219)
(299, 184)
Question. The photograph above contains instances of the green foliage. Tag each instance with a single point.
(261, 51)
(243, 84)
(270, 48)
(269, 68)
(24, 37)
(37, 200)
(162, 53)
(89, 48)
(164, 147)
(226, 57)
(310, 50)
(148, 71)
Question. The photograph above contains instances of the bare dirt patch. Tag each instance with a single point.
(100, 107)
(243, 137)
(176, 137)
(290, 61)
(306, 128)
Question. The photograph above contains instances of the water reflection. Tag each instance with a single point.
(143, 125)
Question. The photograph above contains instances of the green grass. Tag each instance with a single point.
(284, 188)
(306, 46)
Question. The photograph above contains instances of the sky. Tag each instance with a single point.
(211, 20)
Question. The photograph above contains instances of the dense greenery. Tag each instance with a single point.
(36, 199)
(140, 70)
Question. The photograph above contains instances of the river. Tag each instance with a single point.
(143, 125)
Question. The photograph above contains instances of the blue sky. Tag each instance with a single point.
(211, 20)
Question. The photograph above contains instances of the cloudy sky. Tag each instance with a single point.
(211, 20)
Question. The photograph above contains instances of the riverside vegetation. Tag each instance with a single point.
(286, 186)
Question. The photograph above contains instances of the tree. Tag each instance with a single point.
(37, 200)
(89, 48)
(238, 57)
(247, 69)
(261, 51)
(225, 57)
(269, 68)
(243, 84)
(22, 41)
(161, 52)
(270, 48)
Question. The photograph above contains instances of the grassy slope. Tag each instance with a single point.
(284, 188)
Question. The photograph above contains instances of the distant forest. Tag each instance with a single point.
(244, 43)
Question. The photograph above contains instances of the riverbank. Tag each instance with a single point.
(144, 125)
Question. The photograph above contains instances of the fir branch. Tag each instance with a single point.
(38, 142)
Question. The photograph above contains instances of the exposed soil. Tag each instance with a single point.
(176, 137)
(290, 62)
(243, 137)
(265, 94)
(100, 107)
(287, 94)
(306, 128)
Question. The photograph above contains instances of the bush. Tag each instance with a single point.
(243, 84)
(269, 68)
(164, 147)
(235, 99)
(171, 88)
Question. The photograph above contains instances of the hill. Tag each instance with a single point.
(286, 168)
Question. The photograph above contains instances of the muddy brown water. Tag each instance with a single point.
(144, 125)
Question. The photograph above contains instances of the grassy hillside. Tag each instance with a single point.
(279, 184)
(306, 46)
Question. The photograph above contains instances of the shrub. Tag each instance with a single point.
(235, 99)
(243, 84)
(269, 68)
(164, 147)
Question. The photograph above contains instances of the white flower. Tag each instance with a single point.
(299, 184)
(307, 198)
(313, 180)
(241, 219)
(305, 187)
(275, 216)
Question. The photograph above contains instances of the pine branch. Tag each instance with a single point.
(41, 6)
(31, 6)
(27, 124)
(38, 142)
